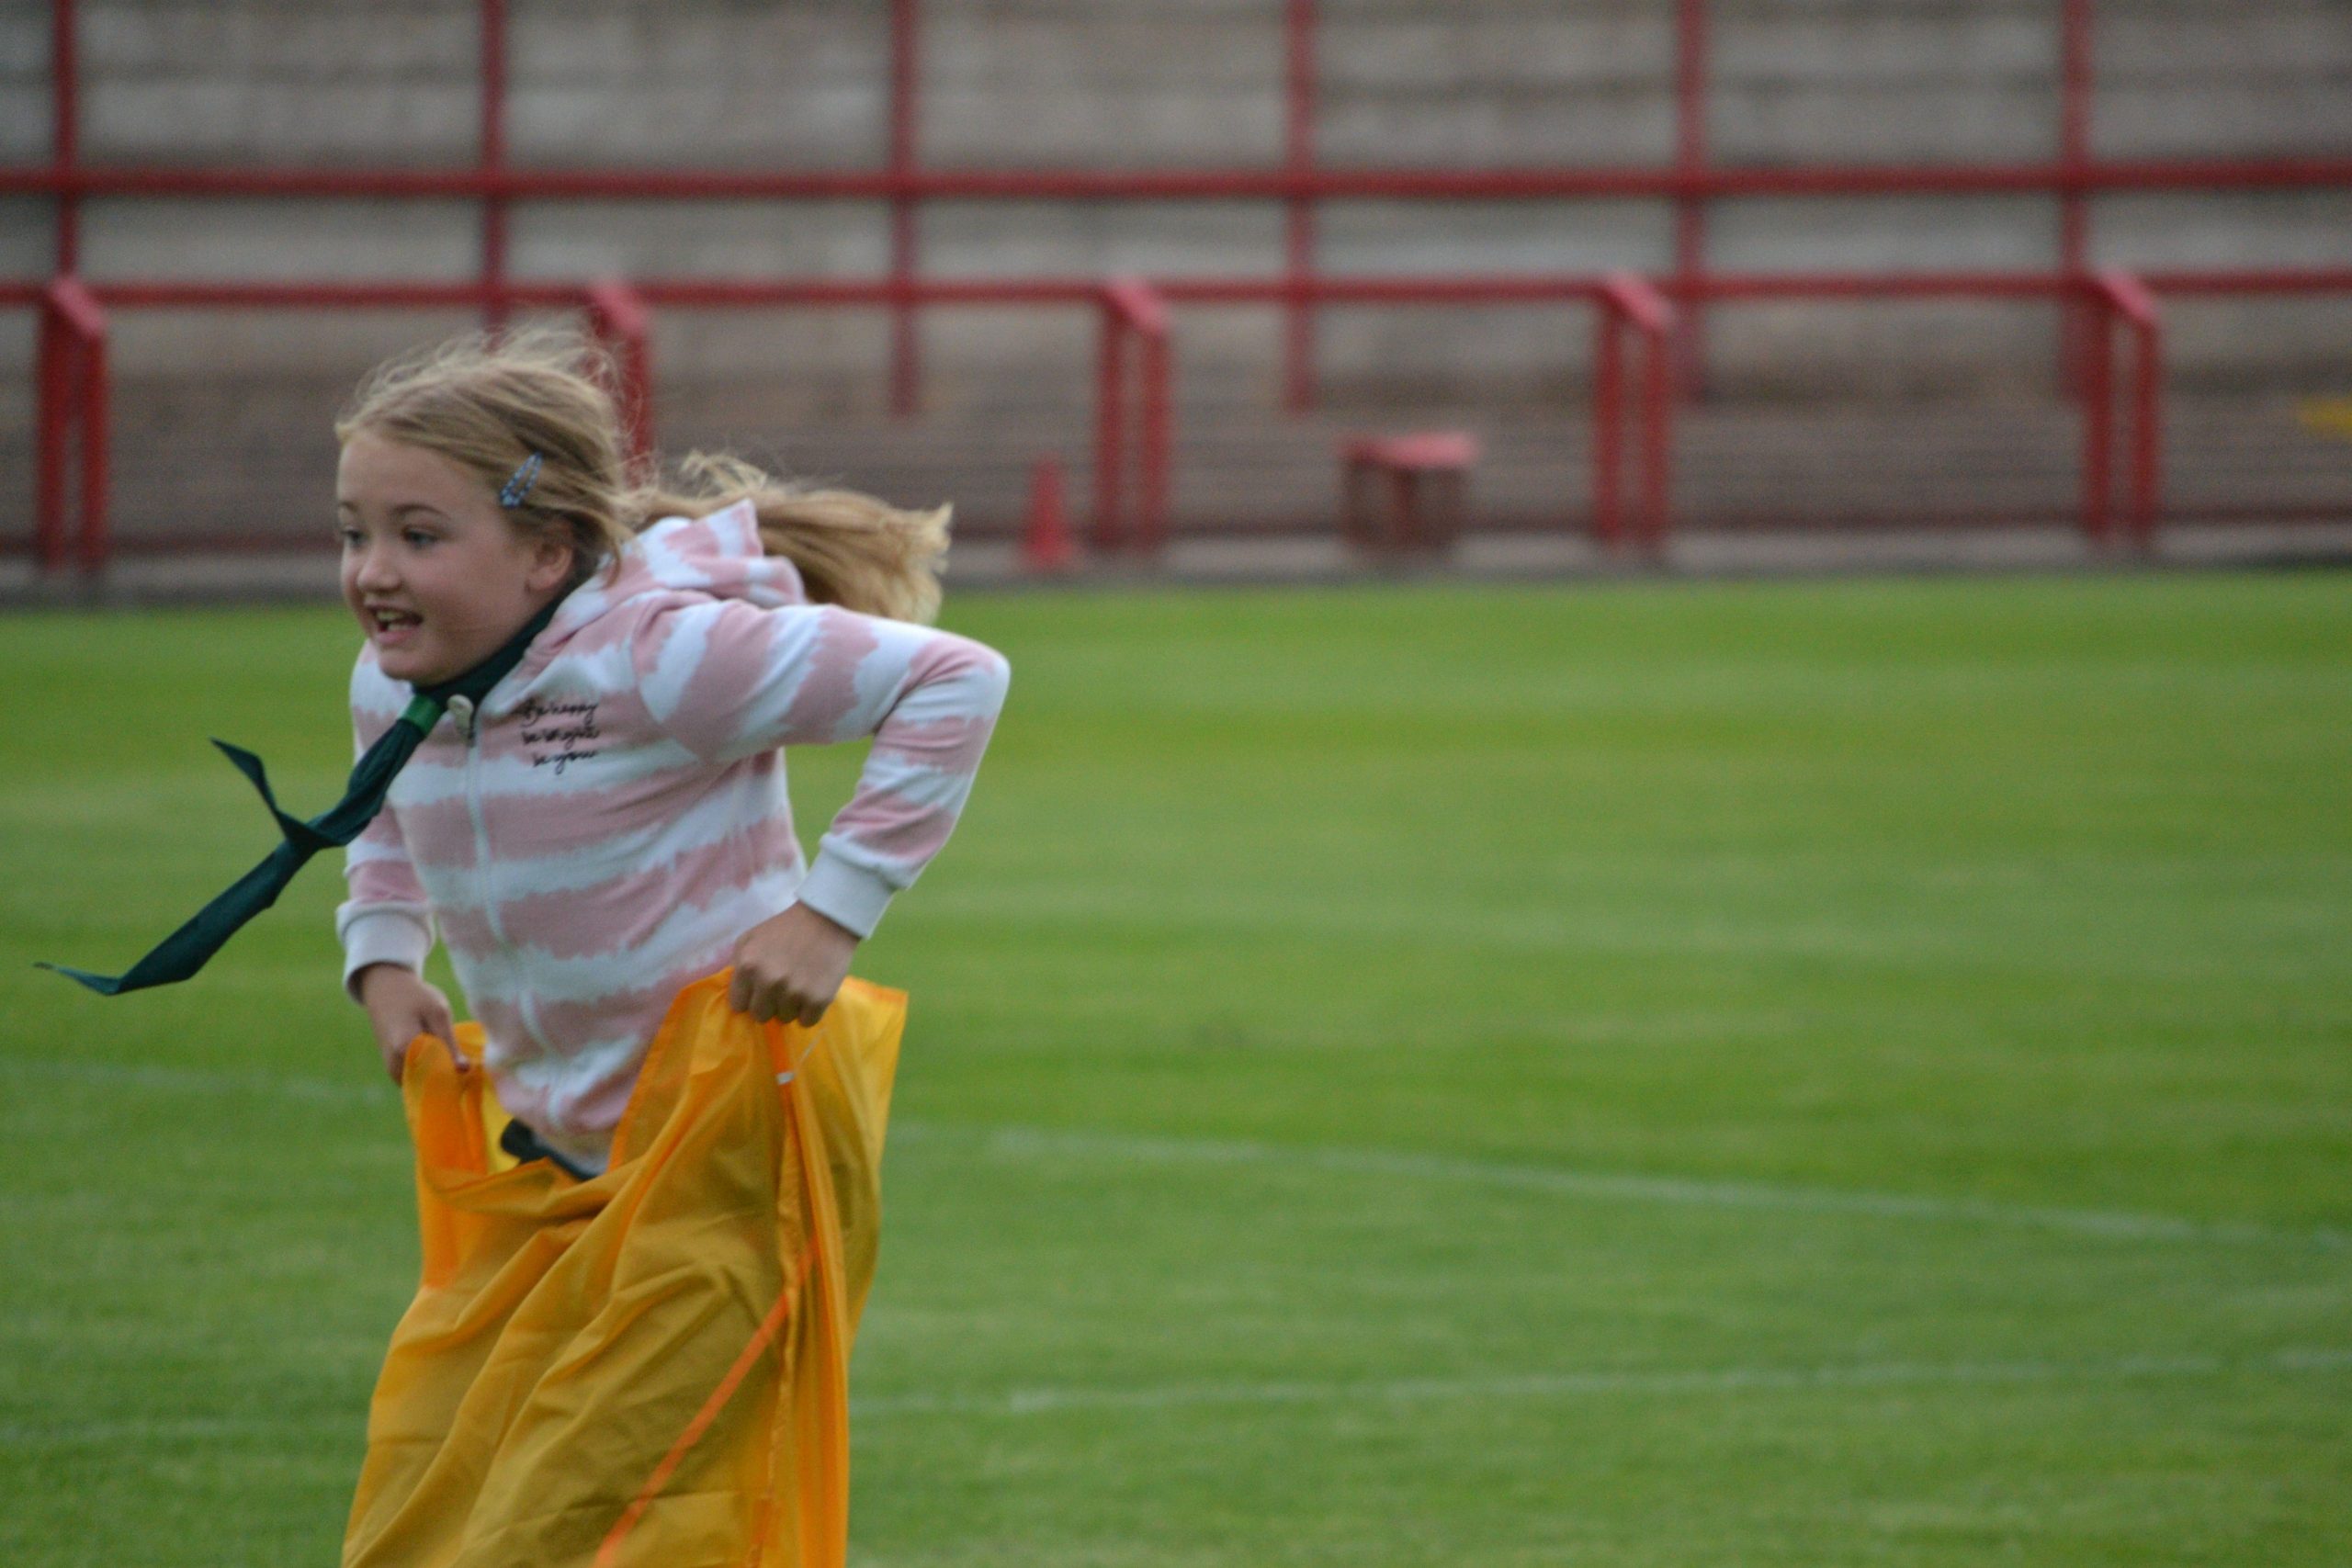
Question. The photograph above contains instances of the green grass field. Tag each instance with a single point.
(1663, 1074)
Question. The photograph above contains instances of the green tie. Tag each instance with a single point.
(188, 950)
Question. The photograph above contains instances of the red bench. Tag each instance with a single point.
(1426, 475)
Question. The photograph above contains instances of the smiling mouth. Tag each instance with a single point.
(385, 620)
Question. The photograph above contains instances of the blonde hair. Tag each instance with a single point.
(489, 401)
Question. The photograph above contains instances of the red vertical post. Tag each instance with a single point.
(1130, 307)
(65, 136)
(1608, 420)
(73, 400)
(1298, 320)
(55, 431)
(1638, 303)
(493, 159)
(1691, 164)
(620, 319)
(906, 348)
(95, 546)
(1152, 525)
(2098, 415)
(1658, 411)
(1110, 414)
(2122, 294)
(2146, 429)
(2075, 316)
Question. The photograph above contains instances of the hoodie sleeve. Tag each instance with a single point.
(387, 919)
(727, 679)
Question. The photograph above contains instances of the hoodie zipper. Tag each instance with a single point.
(469, 718)
(468, 725)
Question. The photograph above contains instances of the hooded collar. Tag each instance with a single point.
(720, 554)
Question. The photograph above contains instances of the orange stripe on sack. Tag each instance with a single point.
(609, 1553)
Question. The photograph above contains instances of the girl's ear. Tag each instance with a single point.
(551, 562)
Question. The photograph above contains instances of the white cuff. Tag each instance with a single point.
(382, 933)
(847, 894)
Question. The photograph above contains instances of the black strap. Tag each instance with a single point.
(187, 950)
(523, 1146)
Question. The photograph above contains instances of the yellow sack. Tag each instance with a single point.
(650, 1367)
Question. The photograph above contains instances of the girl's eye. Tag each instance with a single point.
(417, 537)
(352, 538)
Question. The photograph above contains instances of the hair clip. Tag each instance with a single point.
(518, 485)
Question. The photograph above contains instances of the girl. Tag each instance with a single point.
(647, 1235)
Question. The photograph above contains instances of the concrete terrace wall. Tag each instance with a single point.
(1126, 83)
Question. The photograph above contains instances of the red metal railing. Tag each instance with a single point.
(1301, 183)
(1298, 214)
(1629, 301)
(1691, 168)
(73, 371)
(75, 328)
(1315, 185)
(73, 374)
(2119, 297)
(65, 130)
(1132, 311)
(619, 318)
(495, 210)
(905, 362)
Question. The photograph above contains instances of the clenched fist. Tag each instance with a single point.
(401, 1007)
(788, 969)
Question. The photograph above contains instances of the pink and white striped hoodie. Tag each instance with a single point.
(613, 816)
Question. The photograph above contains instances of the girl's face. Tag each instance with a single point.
(438, 577)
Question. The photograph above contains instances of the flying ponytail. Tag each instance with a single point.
(850, 549)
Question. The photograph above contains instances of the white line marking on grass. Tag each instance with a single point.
(1020, 1142)
(184, 1429)
(201, 1080)
(1149, 905)
(1525, 1386)
(2116, 1225)
(1552, 1385)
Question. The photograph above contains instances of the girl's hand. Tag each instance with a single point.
(400, 1006)
(789, 968)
